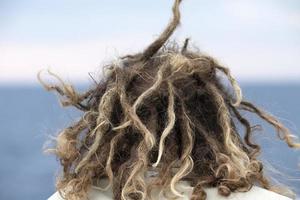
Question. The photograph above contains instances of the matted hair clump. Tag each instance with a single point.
(164, 111)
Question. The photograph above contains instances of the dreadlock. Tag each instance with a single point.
(164, 111)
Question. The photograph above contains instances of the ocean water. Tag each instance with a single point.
(29, 115)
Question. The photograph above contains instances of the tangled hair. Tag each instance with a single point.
(165, 111)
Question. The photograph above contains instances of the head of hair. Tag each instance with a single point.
(159, 117)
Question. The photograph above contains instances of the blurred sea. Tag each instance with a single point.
(30, 114)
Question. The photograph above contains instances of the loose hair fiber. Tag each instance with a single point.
(157, 118)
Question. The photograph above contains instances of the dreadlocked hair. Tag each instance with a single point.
(164, 111)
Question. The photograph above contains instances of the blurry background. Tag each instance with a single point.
(258, 40)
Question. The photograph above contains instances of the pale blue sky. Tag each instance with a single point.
(258, 39)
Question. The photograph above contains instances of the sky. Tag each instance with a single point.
(258, 40)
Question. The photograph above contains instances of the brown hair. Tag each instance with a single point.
(166, 111)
